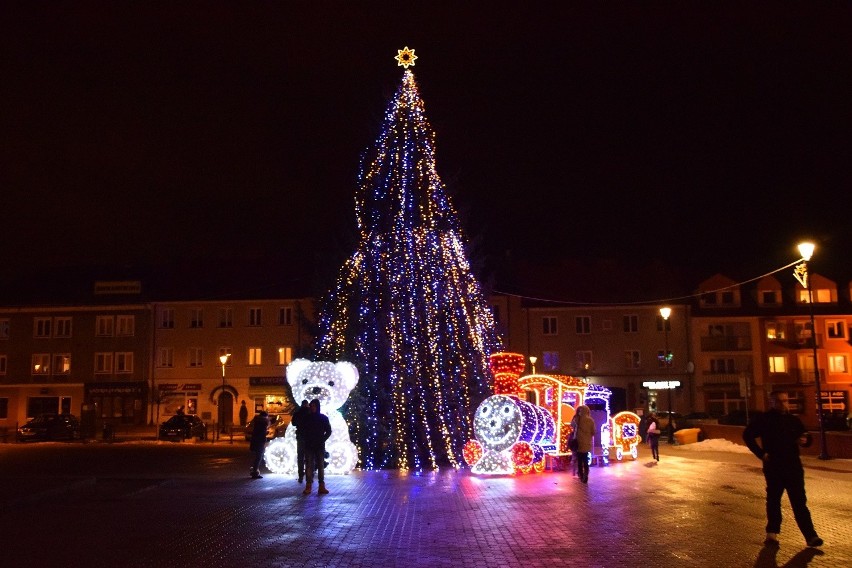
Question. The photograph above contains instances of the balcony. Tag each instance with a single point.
(726, 343)
(801, 342)
(807, 376)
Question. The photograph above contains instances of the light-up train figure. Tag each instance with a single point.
(529, 418)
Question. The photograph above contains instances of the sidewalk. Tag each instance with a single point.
(693, 509)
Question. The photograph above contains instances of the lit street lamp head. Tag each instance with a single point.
(806, 249)
(665, 313)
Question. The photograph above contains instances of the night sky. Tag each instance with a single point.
(709, 136)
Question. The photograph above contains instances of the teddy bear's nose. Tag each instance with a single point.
(316, 390)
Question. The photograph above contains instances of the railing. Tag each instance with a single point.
(726, 343)
(808, 375)
(798, 342)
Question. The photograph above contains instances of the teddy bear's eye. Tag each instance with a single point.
(331, 383)
(506, 410)
(304, 381)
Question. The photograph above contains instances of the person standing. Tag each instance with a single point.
(298, 418)
(584, 433)
(653, 435)
(243, 415)
(781, 434)
(257, 445)
(317, 431)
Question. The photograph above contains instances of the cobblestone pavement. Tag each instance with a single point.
(690, 509)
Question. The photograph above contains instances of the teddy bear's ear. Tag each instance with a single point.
(295, 368)
(348, 372)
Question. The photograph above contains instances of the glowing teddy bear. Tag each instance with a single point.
(331, 384)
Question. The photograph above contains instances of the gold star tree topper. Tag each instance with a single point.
(405, 57)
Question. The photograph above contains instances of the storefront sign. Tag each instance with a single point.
(267, 381)
(661, 385)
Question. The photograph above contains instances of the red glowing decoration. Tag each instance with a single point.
(506, 368)
(472, 452)
(522, 455)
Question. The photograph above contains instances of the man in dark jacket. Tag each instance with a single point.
(257, 445)
(317, 430)
(298, 418)
(780, 435)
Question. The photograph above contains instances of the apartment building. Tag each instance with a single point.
(622, 347)
(754, 339)
(255, 338)
(91, 360)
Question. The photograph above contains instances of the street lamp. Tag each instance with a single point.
(533, 359)
(801, 273)
(665, 313)
(224, 360)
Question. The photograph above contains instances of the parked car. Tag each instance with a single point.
(183, 427)
(277, 426)
(50, 427)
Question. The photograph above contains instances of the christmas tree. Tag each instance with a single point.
(406, 307)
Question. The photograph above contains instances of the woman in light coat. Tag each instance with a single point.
(584, 432)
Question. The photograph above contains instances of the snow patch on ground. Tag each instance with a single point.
(715, 445)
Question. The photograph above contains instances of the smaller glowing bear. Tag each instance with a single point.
(330, 383)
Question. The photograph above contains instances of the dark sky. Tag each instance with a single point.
(707, 135)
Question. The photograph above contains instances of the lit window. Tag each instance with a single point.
(550, 360)
(836, 329)
(285, 355)
(41, 364)
(61, 363)
(254, 354)
(775, 330)
(838, 364)
(777, 364)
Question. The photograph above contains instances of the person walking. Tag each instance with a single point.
(317, 431)
(653, 435)
(243, 415)
(298, 418)
(584, 433)
(781, 434)
(257, 445)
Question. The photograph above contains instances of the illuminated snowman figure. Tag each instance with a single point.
(330, 383)
(510, 434)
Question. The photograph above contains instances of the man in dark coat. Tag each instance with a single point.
(257, 445)
(298, 418)
(317, 430)
(781, 434)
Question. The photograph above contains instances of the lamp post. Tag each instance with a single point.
(533, 359)
(224, 360)
(801, 273)
(665, 313)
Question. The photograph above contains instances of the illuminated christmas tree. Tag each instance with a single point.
(406, 307)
